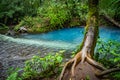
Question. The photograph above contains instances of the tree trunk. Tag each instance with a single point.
(91, 29)
(82, 66)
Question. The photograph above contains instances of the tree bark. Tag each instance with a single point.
(85, 55)
(91, 29)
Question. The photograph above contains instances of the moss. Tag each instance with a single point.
(92, 22)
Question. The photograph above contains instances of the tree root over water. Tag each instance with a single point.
(81, 66)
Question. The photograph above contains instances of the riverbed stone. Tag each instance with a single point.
(14, 55)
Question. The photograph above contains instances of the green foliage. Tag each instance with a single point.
(49, 17)
(87, 77)
(29, 22)
(107, 7)
(38, 67)
(81, 11)
(11, 11)
(52, 13)
(110, 7)
(78, 10)
(13, 74)
(43, 67)
(33, 24)
(31, 6)
(56, 12)
(107, 53)
(3, 26)
(116, 75)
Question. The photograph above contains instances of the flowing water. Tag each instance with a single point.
(68, 38)
(73, 36)
(14, 51)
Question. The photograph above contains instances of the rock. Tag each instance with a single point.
(10, 33)
(1, 66)
(15, 54)
(22, 29)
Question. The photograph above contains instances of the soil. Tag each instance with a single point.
(83, 71)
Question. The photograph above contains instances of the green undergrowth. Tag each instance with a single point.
(55, 15)
(13, 74)
(108, 53)
(3, 28)
(49, 17)
(39, 67)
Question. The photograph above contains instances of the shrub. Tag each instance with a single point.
(39, 67)
(56, 12)
(42, 67)
(30, 23)
(13, 74)
(49, 17)
(107, 53)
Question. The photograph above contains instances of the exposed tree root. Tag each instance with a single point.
(95, 64)
(78, 59)
(107, 72)
(72, 62)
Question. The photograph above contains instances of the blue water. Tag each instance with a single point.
(75, 35)
(71, 35)
(68, 38)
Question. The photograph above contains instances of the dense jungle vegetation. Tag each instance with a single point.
(39, 16)
(46, 15)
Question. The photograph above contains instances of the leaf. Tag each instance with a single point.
(117, 59)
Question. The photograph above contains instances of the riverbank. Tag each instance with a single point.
(13, 55)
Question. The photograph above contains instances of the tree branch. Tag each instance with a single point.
(111, 20)
(107, 72)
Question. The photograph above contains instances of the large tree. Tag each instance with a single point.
(82, 65)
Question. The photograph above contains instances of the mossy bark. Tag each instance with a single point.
(91, 29)
(85, 55)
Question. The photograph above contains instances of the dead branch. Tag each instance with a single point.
(111, 20)
(108, 72)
